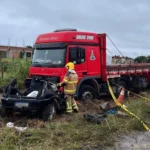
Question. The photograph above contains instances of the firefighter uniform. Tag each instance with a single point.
(70, 83)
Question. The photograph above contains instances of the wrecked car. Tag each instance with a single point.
(41, 97)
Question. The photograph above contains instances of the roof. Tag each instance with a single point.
(120, 57)
(67, 36)
(6, 48)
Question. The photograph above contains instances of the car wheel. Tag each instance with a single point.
(4, 112)
(87, 93)
(49, 112)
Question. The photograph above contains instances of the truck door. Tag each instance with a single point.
(93, 60)
(77, 55)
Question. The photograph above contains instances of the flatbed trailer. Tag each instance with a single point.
(87, 51)
(128, 70)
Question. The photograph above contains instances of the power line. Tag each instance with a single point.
(115, 45)
(109, 51)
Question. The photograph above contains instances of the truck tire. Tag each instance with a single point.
(137, 90)
(121, 84)
(49, 112)
(87, 92)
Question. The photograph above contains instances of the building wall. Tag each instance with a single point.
(3, 54)
(120, 60)
(28, 54)
(15, 53)
(11, 51)
(9, 54)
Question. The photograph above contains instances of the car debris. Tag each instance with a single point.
(11, 125)
(41, 97)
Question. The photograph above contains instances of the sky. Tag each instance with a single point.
(126, 22)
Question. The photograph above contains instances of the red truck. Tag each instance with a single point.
(88, 52)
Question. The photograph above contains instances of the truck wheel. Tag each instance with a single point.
(137, 90)
(87, 93)
(121, 84)
(49, 112)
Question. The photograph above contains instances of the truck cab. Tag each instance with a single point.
(85, 49)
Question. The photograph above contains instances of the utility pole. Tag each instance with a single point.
(8, 42)
(23, 43)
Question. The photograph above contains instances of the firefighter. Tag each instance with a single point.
(70, 83)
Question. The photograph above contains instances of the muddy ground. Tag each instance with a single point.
(133, 141)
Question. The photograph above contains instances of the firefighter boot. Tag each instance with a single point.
(68, 105)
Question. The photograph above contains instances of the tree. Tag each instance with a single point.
(148, 59)
(21, 54)
(28, 46)
(141, 59)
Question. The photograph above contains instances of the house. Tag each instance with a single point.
(14, 52)
(122, 60)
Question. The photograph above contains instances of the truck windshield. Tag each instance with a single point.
(48, 57)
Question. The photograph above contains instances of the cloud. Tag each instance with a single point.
(126, 22)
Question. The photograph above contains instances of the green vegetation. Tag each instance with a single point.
(17, 68)
(73, 132)
(142, 59)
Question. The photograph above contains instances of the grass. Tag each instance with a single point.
(73, 132)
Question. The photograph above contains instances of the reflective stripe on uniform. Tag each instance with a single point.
(69, 90)
(74, 105)
(69, 105)
(72, 81)
(65, 80)
(68, 110)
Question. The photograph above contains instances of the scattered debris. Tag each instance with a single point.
(120, 113)
(143, 93)
(36, 123)
(11, 125)
(95, 118)
(107, 106)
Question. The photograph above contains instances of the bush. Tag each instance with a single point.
(18, 69)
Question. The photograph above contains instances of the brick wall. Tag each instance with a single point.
(13, 51)
(16, 54)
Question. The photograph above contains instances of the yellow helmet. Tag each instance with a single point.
(70, 65)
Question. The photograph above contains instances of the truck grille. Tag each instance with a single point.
(55, 79)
